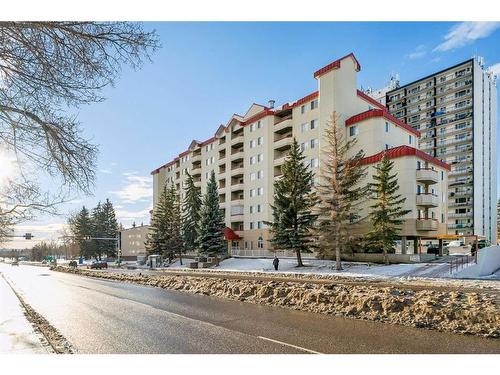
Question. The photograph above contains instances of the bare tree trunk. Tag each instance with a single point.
(386, 257)
(337, 256)
(180, 257)
(299, 258)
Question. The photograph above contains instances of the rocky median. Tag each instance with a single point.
(453, 311)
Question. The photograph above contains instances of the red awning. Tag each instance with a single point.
(230, 234)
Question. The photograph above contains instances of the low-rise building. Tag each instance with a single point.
(133, 242)
(248, 151)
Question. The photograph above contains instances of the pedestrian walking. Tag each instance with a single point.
(276, 262)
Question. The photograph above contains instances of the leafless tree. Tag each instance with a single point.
(46, 70)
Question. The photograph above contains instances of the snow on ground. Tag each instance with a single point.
(316, 266)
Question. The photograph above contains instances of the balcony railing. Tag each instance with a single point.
(427, 200)
(427, 224)
(427, 176)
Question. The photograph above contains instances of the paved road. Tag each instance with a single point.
(99, 316)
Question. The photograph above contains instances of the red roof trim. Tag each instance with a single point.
(400, 151)
(369, 99)
(336, 65)
(230, 234)
(208, 141)
(372, 113)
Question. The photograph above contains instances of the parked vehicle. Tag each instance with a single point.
(98, 264)
(15, 263)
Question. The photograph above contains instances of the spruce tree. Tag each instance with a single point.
(340, 191)
(386, 213)
(155, 242)
(98, 227)
(191, 214)
(211, 225)
(173, 236)
(294, 199)
(110, 228)
(81, 227)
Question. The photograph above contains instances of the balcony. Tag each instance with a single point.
(237, 210)
(427, 200)
(285, 124)
(196, 158)
(237, 170)
(238, 186)
(279, 160)
(196, 171)
(427, 224)
(238, 140)
(237, 154)
(283, 143)
(427, 176)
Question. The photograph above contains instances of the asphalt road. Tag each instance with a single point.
(99, 316)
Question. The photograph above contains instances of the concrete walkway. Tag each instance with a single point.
(16, 333)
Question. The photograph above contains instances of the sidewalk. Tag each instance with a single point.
(16, 333)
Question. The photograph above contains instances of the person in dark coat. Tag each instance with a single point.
(276, 262)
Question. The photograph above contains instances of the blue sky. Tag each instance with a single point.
(205, 72)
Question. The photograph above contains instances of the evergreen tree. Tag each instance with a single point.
(294, 199)
(155, 242)
(81, 227)
(98, 227)
(211, 224)
(387, 213)
(340, 191)
(191, 214)
(173, 235)
(110, 228)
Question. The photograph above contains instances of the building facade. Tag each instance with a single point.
(456, 112)
(132, 242)
(248, 151)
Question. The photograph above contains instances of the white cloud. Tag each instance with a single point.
(127, 215)
(105, 171)
(136, 189)
(466, 33)
(418, 53)
(495, 69)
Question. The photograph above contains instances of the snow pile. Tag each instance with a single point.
(460, 312)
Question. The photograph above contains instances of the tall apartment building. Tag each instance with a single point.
(248, 151)
(456, 112)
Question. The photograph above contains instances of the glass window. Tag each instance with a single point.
(353, 130)
(260, 243)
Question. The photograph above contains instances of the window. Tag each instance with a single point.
(260, 157)
(251, 209)
(387, 146)
(260, 243)
(260, 175)
(442, 175)
(419, 165)
(303, 146)
(314, 143)
(251, 225)
(252, 193)
(314, 124)
(259, 208)
(252, 143)
(260, 191)
(314, 163)
(252, 160)
(314, 104)
(252, 127)
(386, 127)
(260, 141)
(410, 139)
(253, 176)
(303, 109)
(259, 125)
(260, 225)
(304, 127)
(353, 130)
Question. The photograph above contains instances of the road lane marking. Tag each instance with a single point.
(293, 346)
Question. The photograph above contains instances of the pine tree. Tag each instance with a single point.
(191, 214)
(110, 228)
(98, 227)
(81, 227)
(294, 199)
(387, 213)
(340, 191)
(211, 224)
(173, 235)
(155, 242)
